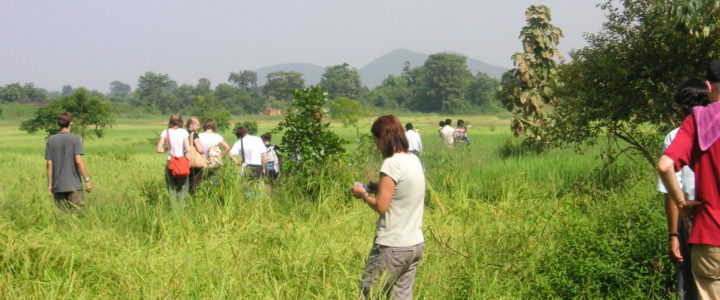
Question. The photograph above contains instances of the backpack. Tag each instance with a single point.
(214, 159)
(272, 161)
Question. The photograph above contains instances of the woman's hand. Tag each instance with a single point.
(358, 191)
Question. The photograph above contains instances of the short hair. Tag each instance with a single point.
(210, 124)
(175, 120)
(191, 120)
(460, 122)
(64, 119)
(442, 123)
(241, 132)
(692, 92)
(266, 137)
(408, 126)
(392, 138)
(713, 71)
(448, 122)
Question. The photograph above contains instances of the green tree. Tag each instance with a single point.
(341, 81)
(614, 88)
(307, 140)
(526, 89)
(348, 112)
(281, 84)
(91, 115)
(27, 93)
(482, 92)
(205, 107)
(119, 89)
(66, 90)
(154, 93)
(244, 79)
(442, 86)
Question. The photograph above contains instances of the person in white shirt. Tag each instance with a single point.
(399, 201)
(448, 133)
(177, 139)
(414, 141)
(214, 146)
(250, 148)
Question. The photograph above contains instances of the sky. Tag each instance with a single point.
(93, 42)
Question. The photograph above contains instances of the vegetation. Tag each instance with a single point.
(307, 141)
(348, 112)
(553, 225)
(613, 88)
(526, 89)
(91, 115)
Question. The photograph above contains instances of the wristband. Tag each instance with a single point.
(49, 184)
(87, 179)
(673, 234)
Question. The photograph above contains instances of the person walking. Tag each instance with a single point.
(192, 126)
(399, 201)
(66, 168)
(691, 93)
(271, 159)
(447, 132)
(214, 146)
(414, 141)
(461, 133)
(696, 145)
(177, 139)
(250, 148)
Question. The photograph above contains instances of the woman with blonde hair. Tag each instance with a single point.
(192, 126)
(399, 201)
(176, 138)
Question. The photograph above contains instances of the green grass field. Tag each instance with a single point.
(500, 222)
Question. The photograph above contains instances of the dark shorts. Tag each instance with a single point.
(69, 201)
(254, 171)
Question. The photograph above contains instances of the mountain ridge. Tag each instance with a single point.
(373, 73)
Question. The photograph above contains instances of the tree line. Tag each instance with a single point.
(443, 84)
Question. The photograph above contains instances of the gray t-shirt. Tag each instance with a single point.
(401, 224)
(61, 149)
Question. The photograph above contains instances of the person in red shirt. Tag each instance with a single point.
(697, 146)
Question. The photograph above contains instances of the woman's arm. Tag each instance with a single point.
(381, 202)
(198, 146)
(186, 145)
(160, 146)
(226, 149)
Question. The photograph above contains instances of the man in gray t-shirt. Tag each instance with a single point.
(65, 166)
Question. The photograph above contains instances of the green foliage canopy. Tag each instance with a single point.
(443, 84)
(91, 115)
(341, 81)
(612, 86)
(281, 84)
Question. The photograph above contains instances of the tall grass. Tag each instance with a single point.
(552, 225)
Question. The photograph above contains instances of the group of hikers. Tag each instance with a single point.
(451, 135)
(193, 157)
(692, 194)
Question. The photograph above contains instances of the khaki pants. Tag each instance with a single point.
(706, 269)
(390, 272)
(69, 201)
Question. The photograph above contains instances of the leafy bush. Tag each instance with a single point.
(307, 140)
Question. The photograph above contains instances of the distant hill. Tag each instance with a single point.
(373, 73)
(311, 73)
(392, 63)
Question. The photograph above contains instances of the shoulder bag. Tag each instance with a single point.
(196, 159)
(179, 166)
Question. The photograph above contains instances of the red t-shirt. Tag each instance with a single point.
(685, 150)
